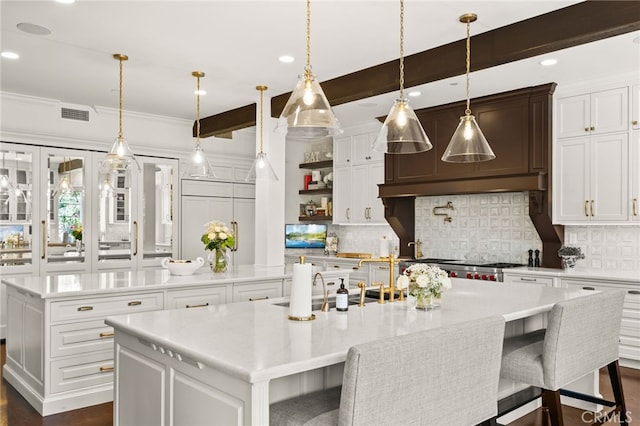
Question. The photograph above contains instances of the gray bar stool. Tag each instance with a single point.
(443, 376)
(581, 336)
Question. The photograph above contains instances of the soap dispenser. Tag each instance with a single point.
(342, 297)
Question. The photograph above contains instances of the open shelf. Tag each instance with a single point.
(316, 218)
(316, 191)
(317, 165)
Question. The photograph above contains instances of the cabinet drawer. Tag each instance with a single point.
(81, 371)
(196, 297)
(254, 292)
(528, 279)
(104, 306)
(356, 273)
(80, 337)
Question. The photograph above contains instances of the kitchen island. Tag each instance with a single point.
(59, 350)
(225, 364)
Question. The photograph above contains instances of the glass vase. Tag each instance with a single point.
(436, 300)
(219, 261)
(569, 262)
(423, 301)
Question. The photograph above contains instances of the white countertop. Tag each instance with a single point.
(113, 282)
(578, 272)
(255, 341)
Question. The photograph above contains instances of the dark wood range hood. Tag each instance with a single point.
(517, 125)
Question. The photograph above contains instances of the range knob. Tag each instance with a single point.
(477, 276)
(452, 274)
(469, 276)
(485, 277)
(492, 277)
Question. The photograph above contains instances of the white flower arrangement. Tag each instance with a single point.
(424, 281)
(217, 236)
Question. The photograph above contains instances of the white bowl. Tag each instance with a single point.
(182, 267)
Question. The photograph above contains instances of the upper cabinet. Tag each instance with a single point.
(634, 149)
(594, 113)
(595, 159)
(635, 107)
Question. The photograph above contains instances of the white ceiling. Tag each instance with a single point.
(237, 44)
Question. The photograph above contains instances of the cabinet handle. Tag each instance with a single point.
(234, 225)
(592, 208)
(135, 237)
(530, 280)
(134, 303)
(348, 217)
(107, 334)
(105, 369)
(635, 207)
(336, 266)
(592, 128)
(198, 306)
(331, 283)
(386, 268)
(259, 298)
(368, 212)
(634, 122)
(586, 206)
(633, 291)
(85, 308)
(44, 240)
(588, 288)
(586, 129)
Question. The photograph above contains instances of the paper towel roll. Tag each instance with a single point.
(300, 301)
(384, 247)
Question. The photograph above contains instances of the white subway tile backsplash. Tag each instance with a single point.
(607, 246)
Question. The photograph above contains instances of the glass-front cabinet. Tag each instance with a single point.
(57, 213)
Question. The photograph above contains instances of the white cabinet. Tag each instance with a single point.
(356, 180)
(197, 297)
(635, 107)
(634, 172)
(231, 203)
(592, 179)
(630, 328)
(252, 292)
(524, 278)
(595, 113)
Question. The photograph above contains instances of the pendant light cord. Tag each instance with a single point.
(401, 49)
(307, 67)
(261, 89)
(468, 63)
(198, 110)
(120, 102)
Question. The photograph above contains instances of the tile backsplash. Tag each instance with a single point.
(483, 227)
(607, 246)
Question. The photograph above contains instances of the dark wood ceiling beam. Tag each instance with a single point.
(568, 27)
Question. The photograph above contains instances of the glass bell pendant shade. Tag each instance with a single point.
(468, 144)
(307, 114)
(401, 132)
(120, 157)
(199, 166)
(261, 169)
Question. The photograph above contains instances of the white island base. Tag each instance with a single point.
(225, 365)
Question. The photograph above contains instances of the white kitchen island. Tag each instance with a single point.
(59, 350)
(225, 364)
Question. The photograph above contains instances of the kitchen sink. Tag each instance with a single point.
(316, 304)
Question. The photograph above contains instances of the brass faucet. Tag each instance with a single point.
(391, 260)
(325, 303)
(417, 252)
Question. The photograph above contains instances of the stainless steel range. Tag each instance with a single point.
(487, 271)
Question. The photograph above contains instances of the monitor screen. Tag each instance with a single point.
(305, 235)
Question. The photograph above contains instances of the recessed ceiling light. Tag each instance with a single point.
(453, 83)
(548, 62)
(30, 28)
(200, 92)
(9, 55)
(66, 1)
(415, 93)
(286, 59)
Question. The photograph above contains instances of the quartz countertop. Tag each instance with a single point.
(255, 341)
(580, 273)
(122, 281)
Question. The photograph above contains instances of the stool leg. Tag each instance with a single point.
(551, 400)
(616, 385)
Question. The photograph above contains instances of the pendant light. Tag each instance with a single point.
(64, 185)
(199, 166)
(261, 165)
(402, 132)
(8, 187)
(120, 157)
(468, 144)
(307, 113)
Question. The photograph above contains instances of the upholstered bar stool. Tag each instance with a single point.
(581, 337)
(443, 376)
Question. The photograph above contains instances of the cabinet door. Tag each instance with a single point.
(573, 116)
(257, 291)
(634, 172)
(342, 211)
(342, 151)
(196, 212)
(609, 178)
(362, 151)
(196, 297)
(244, 213)
(610, 111)
(635, 107)
(360, 197)
(376, 209)
(571, 174)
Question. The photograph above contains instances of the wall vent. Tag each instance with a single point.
(74, 114)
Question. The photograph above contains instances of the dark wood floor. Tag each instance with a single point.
(16, 411)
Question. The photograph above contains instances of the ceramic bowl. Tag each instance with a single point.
(182, 267)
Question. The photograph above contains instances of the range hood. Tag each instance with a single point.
(517, 124)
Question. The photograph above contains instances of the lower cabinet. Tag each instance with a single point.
(253, 292)
(524, 278)
(197, 297)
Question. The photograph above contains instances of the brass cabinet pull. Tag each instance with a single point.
(586, 206)
(633, 291)
(592, 128)
(635, 207)
(85, 308)
(348, 211)
(331, 283)
(198, 306)
(588, 288)
(44, 240)
(106, 369)
(107, 334)
(530, 280)
(135, 303)
(586, 129)
(592, 208)
(234, 225)
(135, 230)
(634, 122)
(386, 268)
(259, 298)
